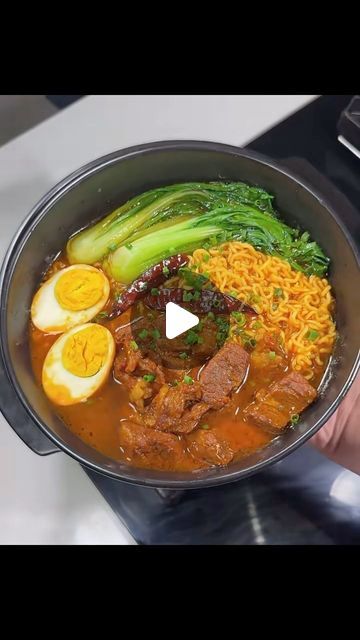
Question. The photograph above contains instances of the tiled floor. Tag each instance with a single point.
(19, 113)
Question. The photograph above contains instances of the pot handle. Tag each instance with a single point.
(19, 420)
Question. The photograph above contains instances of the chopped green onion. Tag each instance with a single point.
(278, 292)
(274, 306)
(187, 296)
(149, 377)
(239, 317)
(154, 291)
(211, 315)
(295, 418)
(192, 279)
(183, 355)
(206, 257)
(143, 334)
(166, 271)
(129, 246)
(134, 345)
(249, 341)
(272, 355)
(188, 380)
(192, 337)
(234, 294)
(312, 335)
(205, 426)
(196, 295)
(156, 333)
(102, 314)
(257, 325)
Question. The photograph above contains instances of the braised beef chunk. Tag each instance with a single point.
(130, 366)
(132, 360)
(208, 447)
(187, 350)
(176, 409)
(147, 446)
(225, 371)
(274, 406)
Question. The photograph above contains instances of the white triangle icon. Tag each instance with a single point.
(178, 320)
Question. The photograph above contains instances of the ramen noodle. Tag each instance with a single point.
(295, 307)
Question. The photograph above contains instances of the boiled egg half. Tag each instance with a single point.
(78, 364)
(71, 297)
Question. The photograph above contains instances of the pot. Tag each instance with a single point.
(101, 186)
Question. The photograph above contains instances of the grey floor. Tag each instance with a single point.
(20, 113)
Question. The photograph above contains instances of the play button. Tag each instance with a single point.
(178, 320)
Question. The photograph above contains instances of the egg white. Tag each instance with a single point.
(47, 314)
(55, 377)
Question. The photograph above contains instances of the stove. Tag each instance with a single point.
(304, 499)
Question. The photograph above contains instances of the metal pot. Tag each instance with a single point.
(99, 187)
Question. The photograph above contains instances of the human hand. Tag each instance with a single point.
(339, 438)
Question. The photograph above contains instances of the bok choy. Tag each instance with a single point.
(241, 222)
(159, 207)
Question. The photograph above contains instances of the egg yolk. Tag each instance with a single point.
(79, 289)
(85, 352)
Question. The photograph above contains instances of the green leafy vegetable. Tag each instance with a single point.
(157, 208)
(182, 217)
(243, 222)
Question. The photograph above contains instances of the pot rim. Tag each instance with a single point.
(154, 478)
